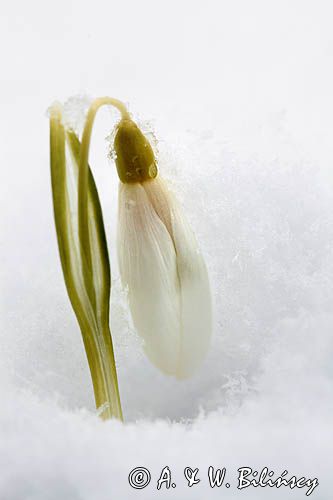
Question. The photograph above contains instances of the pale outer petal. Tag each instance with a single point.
(147, 262)
(195, 305)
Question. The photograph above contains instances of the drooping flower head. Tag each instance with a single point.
(160, 262)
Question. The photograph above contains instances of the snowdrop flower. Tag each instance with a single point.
(160, 262)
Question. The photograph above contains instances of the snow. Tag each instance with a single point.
(239, 96)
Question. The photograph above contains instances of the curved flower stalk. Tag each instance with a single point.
(160, 262)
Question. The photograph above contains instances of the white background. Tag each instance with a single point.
(239, 96)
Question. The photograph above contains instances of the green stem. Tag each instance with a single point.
(99, 286)
(83, 177)
(93, 317)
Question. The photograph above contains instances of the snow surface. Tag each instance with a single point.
(239, 95)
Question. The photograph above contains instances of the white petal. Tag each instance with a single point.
(147, 262)
(196, 312)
